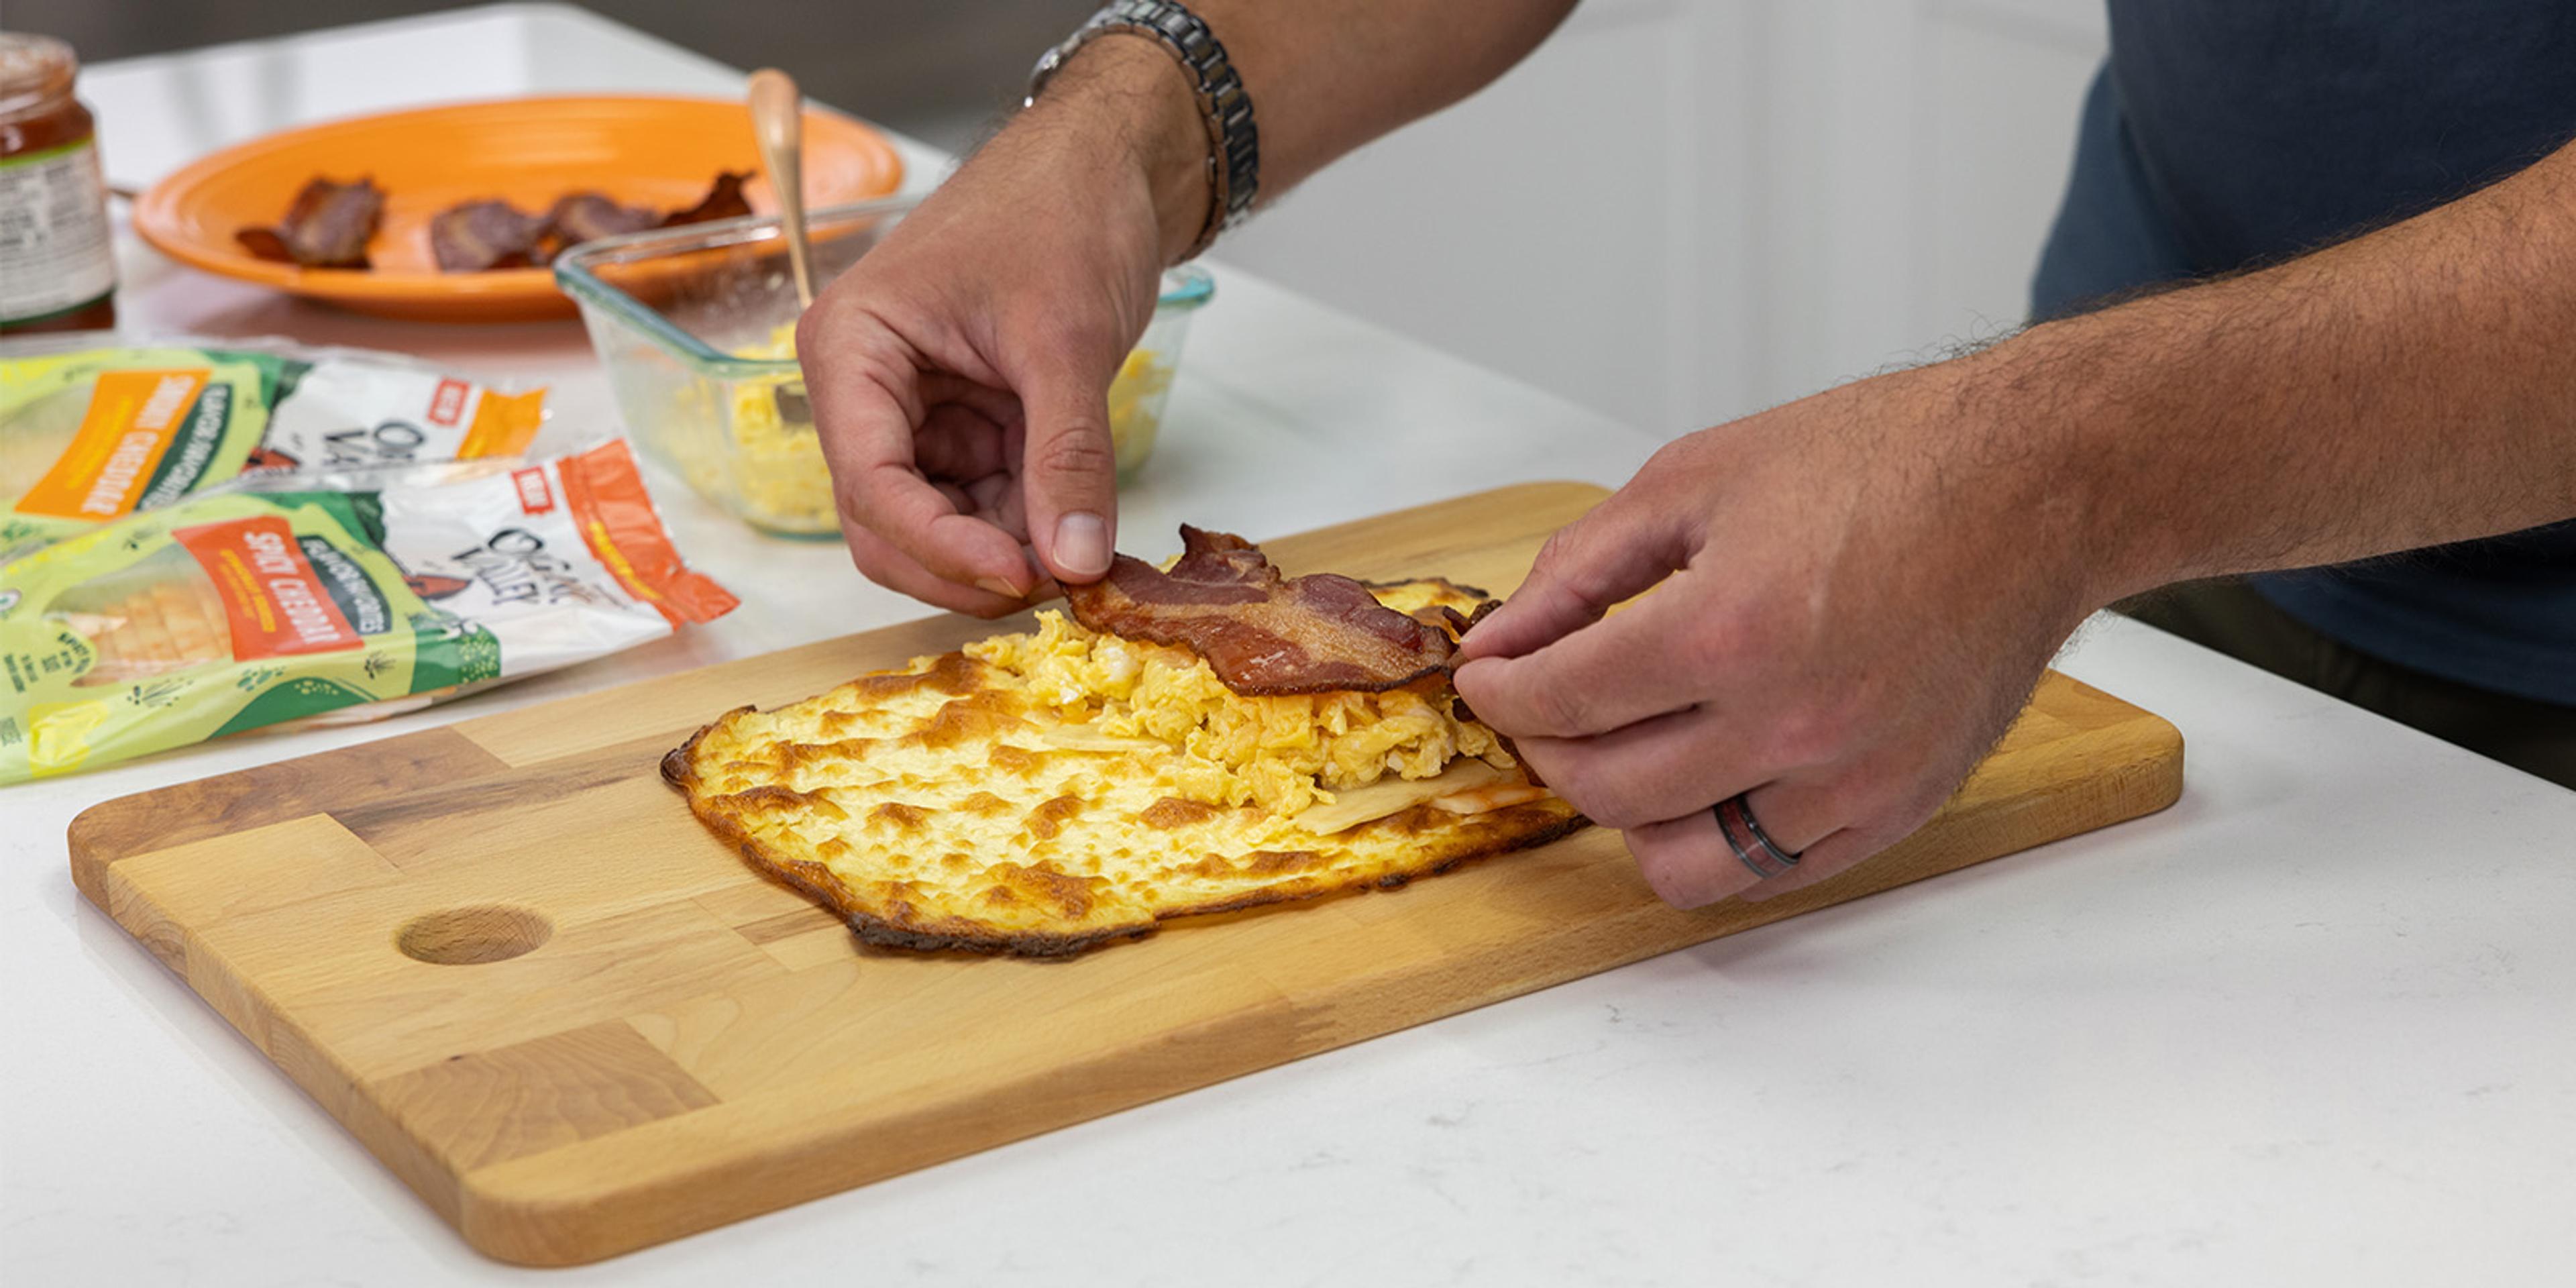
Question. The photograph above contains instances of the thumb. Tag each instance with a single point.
(1069, 470)
(1624, 546)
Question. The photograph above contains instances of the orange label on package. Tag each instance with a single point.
(273, 602)
(132, 417)
(607, 500)
(503, 423)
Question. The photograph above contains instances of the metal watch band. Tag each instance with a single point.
(1234, 144)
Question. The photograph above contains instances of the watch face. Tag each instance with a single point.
(1052, 60)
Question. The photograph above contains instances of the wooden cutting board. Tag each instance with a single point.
(504, 955)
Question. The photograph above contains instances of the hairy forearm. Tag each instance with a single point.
(2407, 388)
(1324, 76)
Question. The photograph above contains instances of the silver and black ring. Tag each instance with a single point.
(1753, 847)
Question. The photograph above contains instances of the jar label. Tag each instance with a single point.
(55, 251)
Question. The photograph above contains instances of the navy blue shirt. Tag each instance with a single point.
(2229, 133)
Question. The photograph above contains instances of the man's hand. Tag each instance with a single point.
(960, 371)
(1851, 598)
(1853, 594)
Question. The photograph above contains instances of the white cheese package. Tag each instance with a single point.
(347, 412)
(92, 430)
(331, 596)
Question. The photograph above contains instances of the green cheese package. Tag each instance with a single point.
(327, 596)
(91, 432)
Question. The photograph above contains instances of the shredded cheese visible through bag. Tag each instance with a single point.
(88, 436)
(302, 598)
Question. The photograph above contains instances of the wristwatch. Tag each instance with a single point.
(1234, 145)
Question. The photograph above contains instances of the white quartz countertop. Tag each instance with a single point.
(2316, 1023)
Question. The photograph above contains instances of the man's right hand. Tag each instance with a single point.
(960, 371)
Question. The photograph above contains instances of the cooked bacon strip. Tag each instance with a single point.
(723, 201)
(327, 226)
(583, 216)
(484, 234)
(1451, 620)
(1264, 634)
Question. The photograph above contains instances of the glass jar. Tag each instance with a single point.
(57, 260)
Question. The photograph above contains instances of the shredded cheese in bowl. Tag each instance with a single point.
(774, 465)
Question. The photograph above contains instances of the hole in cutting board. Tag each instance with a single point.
(472, 936)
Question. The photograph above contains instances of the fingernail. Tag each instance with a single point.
(1000, 587)
(1082, 543)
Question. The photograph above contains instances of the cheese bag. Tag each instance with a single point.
(89, 435)
(328, 597)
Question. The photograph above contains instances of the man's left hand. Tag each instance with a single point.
(1852, 597)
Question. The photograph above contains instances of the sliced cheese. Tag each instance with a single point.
(1349, 809)
(1492, 796)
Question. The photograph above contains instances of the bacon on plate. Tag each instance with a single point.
(327, 226)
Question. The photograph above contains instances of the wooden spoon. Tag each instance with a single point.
(778, 123)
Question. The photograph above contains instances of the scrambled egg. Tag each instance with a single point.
(775, 465)
(1280, 753)
(1136, 407)
(1043, 792)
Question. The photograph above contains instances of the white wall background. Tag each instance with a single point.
(1680, 211)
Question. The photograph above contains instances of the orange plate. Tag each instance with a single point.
(648, 151)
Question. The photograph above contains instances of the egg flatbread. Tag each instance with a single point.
(1046, 792)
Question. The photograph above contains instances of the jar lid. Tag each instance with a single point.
(33, 69)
